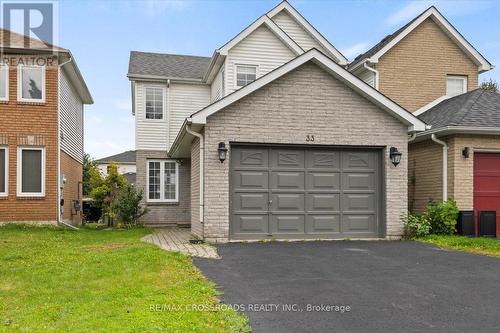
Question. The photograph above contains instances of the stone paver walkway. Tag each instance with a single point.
(177, 239)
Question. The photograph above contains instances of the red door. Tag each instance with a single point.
(487, 186)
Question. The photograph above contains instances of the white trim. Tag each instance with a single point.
(464, 80)
(6, 98)
(431, 105)
(164, 101)
(6, 192)
(309, 29)
(432, 12)
(20, 192)
(20, 85)
(162, 180)
(485, 150)
(414, 124)
(263, 20)
(244, 65)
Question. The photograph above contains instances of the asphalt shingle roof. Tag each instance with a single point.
(125, 157)
(167, 65)
(477, 108)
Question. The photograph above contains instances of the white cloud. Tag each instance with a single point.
(354, 50)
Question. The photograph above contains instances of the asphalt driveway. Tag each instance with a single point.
(368, 286)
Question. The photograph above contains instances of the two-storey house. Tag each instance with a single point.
(271, 137)
(42, 97)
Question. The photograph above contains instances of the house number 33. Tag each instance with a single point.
(309, 138)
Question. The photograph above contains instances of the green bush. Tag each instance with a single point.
(443, 217)
(416, 226)
(128, 207)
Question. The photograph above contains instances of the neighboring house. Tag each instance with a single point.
(42, 97)
(422, 66)
(124, 161)
(271, 137)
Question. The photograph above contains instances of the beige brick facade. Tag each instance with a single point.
(306, 101)
(413, 72)
(162, 214)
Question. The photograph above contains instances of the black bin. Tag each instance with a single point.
(488, 223)
(465, 223)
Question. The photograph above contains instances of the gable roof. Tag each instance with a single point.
(162, 65)
(377, 51)
(477, 108)
(11, 39)
(127, 157)
(414, 124)
(309, 28)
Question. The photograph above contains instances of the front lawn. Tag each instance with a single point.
(54, 280)
(481, 245)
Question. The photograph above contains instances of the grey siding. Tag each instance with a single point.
(307, 101)
(71, 119)
(165, 213)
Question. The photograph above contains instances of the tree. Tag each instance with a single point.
(89, 166)
(490, 85)
(128, 206)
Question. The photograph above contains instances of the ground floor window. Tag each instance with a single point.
(162, 181)
(31, 171)
(4, 180)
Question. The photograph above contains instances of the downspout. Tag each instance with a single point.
(373, 70)
(445, 165)
(58, 200)
(412, 137)
(202, 176)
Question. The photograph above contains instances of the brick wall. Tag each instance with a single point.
(304, 102)
(73, 172)
(196, 226)
(165, 213)
(31, 124)
(413, 73)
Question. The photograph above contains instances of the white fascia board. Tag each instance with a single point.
(432, 12)
(263, 20)
(309, 28)
(449, 130)
(431, 105)
(414, 124)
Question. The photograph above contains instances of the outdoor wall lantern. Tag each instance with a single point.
(222, 151)
(465, 152)
(395, 156)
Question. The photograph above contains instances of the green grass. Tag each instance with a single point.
(54, 280)
(481, 245)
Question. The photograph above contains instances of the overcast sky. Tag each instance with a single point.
(101, 34)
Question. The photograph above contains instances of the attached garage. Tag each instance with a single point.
(487, 193)
(305, 192)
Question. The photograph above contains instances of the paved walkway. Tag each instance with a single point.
(177, 240)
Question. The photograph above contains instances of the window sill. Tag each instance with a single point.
(30, 197)
(32, 102)
(162, 203)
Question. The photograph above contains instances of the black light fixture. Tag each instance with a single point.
(466, 152)
(395, 156)
(222, 151)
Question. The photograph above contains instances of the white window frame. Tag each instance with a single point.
(164, 101)
(20, 192)
(460, 77)
(20, 85)
(6, 192)
(6, 98)
(162, 181)
(244, 65)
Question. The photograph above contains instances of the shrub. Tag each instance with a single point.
(443, 217)
(128, 206)
(416, 226)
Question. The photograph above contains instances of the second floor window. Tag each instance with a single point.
(31, 83)
(456, 85)
(4, 83)
(245, 75)
(154, 102)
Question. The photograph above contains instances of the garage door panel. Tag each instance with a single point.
(287, 158)
(251, 180)
(250, 158)
(353, 160)
(323, 224)
(250, 224)
(358, 202)
(323, 181)
(287, 180)
(358, 181)
(287, 224)
(358, 223)
(323, 159)
(251, 202)
(323, 202)
(287, 202)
